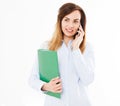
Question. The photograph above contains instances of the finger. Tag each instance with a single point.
(59, 90)
(77, 36)
(58, 85)
(81, 33)
(81, 29)
(78, 32)
(55, 79)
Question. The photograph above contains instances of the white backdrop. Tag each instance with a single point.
(25, 24)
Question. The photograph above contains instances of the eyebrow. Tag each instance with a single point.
(74, 19)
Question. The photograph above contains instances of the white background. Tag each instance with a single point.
(25, 24)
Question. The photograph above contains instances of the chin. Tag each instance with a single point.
(69, 36)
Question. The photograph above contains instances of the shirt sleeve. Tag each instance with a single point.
(84, 64)
(34, 79)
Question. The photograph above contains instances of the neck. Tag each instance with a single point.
(67, 39)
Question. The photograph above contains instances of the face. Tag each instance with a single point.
(70, 23)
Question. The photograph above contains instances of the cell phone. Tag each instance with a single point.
(76, 33)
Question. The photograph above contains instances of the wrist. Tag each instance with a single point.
(44, 87)
(74, 48)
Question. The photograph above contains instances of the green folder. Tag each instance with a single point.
(48, 67)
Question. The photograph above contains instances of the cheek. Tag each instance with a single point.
(77, 26)
(76, 29)
(62, 26)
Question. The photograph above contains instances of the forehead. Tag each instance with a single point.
(74, 15)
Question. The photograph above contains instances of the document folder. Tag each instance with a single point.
(48, 67)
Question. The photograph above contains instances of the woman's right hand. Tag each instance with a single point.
(54, 85)
(78, 38)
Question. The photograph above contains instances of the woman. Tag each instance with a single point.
(75, 57)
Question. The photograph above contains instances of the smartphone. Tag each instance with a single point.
(76, 33)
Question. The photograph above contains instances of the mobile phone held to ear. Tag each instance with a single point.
(76, 33)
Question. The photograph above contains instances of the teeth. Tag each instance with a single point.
(69, 30)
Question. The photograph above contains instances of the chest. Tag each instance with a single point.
(66, 64)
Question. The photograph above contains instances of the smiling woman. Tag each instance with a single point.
(70, 24)
(24, 25)
(75, 60)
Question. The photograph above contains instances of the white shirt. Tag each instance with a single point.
(76, 72)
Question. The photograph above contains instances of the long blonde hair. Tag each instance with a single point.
(57, 37)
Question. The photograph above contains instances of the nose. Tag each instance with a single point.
(71, 24)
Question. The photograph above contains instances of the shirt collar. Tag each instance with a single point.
(69, 43)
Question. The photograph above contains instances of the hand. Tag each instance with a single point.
(78, 38)
(54, 86)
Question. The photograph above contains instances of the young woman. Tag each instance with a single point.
(75, 57)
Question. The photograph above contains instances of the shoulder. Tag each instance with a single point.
(44, 45)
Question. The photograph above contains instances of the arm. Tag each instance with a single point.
(84, 64)
(39, 85)
(34, 80)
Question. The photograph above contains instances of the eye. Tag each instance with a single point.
(66, 19)
(76, 21)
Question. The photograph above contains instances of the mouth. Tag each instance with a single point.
(69, 30)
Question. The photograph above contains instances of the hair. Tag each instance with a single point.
(57, 37)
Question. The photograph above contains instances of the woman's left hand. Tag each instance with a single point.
(78, 39)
